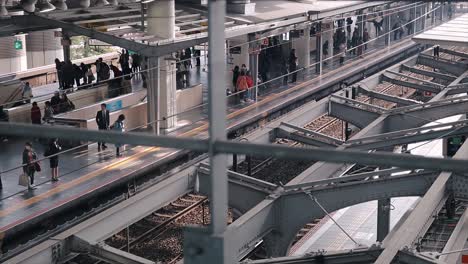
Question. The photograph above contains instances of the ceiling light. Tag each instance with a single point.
(29, 5)
(3, 10)
(147, 1)
(85, 3)
(101, 3)
(45, 6)
(61, 5)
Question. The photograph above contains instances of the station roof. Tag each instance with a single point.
(452, 33)
(125, 26)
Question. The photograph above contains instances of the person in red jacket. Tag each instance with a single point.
(35, 114)
(242, 85)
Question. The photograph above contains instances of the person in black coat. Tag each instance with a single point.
(102, 120)
(53, 149)
(55, 102)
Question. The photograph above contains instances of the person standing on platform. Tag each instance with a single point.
(58, 68)
(98, 70)
(250, 84)
(26, 93)
(242, 86)
(365, 38)
(84, 71)
(235, 76)
(436, 51)
(55, 102)
(66, 104)
(293, 65)
(48, 112)
(343, 53)
(35, 114)
(30, 166)
(102, 120)
(53, 149)
(119, 126)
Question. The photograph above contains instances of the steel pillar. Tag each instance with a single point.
(383, 218)
(209, 245)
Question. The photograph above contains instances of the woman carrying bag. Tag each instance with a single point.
(53, 149)
(30, 167)
(120, 127)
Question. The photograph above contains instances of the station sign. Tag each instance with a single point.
(114, 106)
(18, 44)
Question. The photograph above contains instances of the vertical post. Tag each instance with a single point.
(217, 115)
(253, 64)
(433, 13)
(383, 219)
(318, 49)
(153, 96)
(234, 162)
(142, 18)
(66, 42)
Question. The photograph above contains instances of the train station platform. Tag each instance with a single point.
(86, 173)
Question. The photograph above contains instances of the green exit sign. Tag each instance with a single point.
(18, 44)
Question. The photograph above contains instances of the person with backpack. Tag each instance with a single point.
(118, 126)
(53, 149)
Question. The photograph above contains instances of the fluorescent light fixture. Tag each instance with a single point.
(85, 3)
(101, 3)
(3, 10)
(61, 5)
(147, 1)
(45, 6)
(29, 5)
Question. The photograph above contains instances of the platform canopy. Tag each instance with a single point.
(452, 33)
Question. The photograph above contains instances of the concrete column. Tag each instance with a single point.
(167, 101)
(302, 46)
(43, 47)
(161, 23)
(253, 64)
(383, 219)
(13, 59)
(319, 50)
(153, 94)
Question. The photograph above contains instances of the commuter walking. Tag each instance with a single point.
(26, 93)
(293, 65)
(48, 112)
(235, 76)
(66, 104)
(55, 102)
(242, 86)
(35, 114)
(119, 126)
(365, 38)
(84, 72)
(53, 149)
(30, 166)
(102, 121)
(436, 51)
(58, 68)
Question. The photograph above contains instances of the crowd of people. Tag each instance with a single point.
(243, 83)
(184, 65)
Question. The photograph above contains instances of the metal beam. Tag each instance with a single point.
(432, 74)
(366, 255)
(411, 138)
(311, 133)
(350, 113)
(301, 138)
(250, 189)
(453, 85)
(443, 65)
(106, 253)
(400, 101)
(454, 52)
(416, 86)
(406, 257)
(457, 240)
(147, 50)
(416, 79)
(409, 231)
